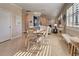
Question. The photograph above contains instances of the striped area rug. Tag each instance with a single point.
(43, 50)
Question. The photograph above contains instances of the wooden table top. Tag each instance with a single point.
(39, 31)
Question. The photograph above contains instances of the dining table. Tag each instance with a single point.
(34, 37)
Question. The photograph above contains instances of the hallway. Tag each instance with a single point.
(33, 29)
(53, 45)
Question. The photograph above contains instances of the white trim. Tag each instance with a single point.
(17, 36)
(15, 5)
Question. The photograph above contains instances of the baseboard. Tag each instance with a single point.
(5, 41)
(17, 36)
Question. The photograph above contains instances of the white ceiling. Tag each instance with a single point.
(49, 9)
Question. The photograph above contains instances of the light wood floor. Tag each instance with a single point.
(9, 48)
(52, 45)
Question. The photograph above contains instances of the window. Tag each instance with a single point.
(73, 15)
(69, 16)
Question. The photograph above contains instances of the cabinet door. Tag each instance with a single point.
(18, 25)
(5, 26)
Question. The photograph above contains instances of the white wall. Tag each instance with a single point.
(10, 21)
(52, 22)
(4, 25)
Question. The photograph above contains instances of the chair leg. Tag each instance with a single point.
(72, 50)
(75, 50)
(69, 47)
